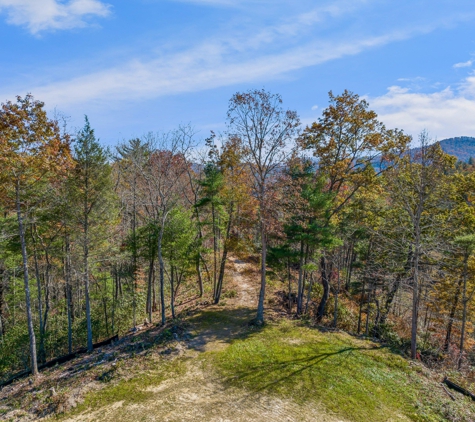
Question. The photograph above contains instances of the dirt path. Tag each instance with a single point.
(217, 325)
(247, 290)
(197, 394)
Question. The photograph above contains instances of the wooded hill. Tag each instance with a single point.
(462, 147)
(375, 241)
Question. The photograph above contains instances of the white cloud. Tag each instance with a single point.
(445, 113)
(315, 107)
(40, 15)
(207, 66)
(241, 57)
(463, 64)
(416, 79)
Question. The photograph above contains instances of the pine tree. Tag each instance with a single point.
(91, 193)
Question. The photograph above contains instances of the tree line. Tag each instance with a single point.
(353, 228)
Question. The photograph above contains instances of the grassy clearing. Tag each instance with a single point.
(355, 379)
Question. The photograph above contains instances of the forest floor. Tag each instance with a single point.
(212, 365)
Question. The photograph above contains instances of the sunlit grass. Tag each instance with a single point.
(356, 379)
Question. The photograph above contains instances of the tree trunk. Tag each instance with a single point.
(309, 295)
(40, 303)
(453, 310)
(300, 283)
(172, 291)
(326, 289)
(90, 346)
(161, 275)
(464, 312)
(262, 292)
(134, 250)
(29, 316)
(384, 313)
(360, 313)
(337, 291)
(368, 302)
(150, 291)
(198, 272)
(68, 294)
(224, 257)
(289, 276)
(47, 307)
(415, 295)
(2, 301)
(215, 251)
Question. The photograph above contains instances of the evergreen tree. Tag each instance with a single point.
(91, 189)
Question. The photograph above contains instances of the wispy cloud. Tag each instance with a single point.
(444, 113)
(206, 66)
(246, 54)
(237, 58)
(468, 63)
(41, 15)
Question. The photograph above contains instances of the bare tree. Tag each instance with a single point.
(265, 131)
(164, 178)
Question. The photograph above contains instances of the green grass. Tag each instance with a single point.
(355, 379)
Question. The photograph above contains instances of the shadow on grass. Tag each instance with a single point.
(222, 325)
(254, 374)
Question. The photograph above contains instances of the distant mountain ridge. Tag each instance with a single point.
(463, 147)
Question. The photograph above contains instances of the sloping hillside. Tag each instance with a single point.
(462, 147)
(211, 365)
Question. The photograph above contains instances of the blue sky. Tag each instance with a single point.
(150, 65)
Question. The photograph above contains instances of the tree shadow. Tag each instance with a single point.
(253, 374)
(222, 325)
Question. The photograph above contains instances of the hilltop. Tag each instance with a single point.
(462, 147)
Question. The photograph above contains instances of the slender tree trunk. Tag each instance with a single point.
(38, 287)
(309, 295)
(90, 346)
(150, 291)
(300, 284)
(224, 257)
(453, 310)
(41, 351)
(106, 317)
(360, 313)
(415, 296)
(47, 307)
(326, 289)
(68, 293)
(29, 316)
(337, 291)
(289, 276)
(350, 269)
(215, 251)
(154, 289)
(198, 272)
(3, 272)
(114, 295)
(172, 291)
(161, 275)
(464, 312)
(262, 292)
(134, 250)
(368, 302)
